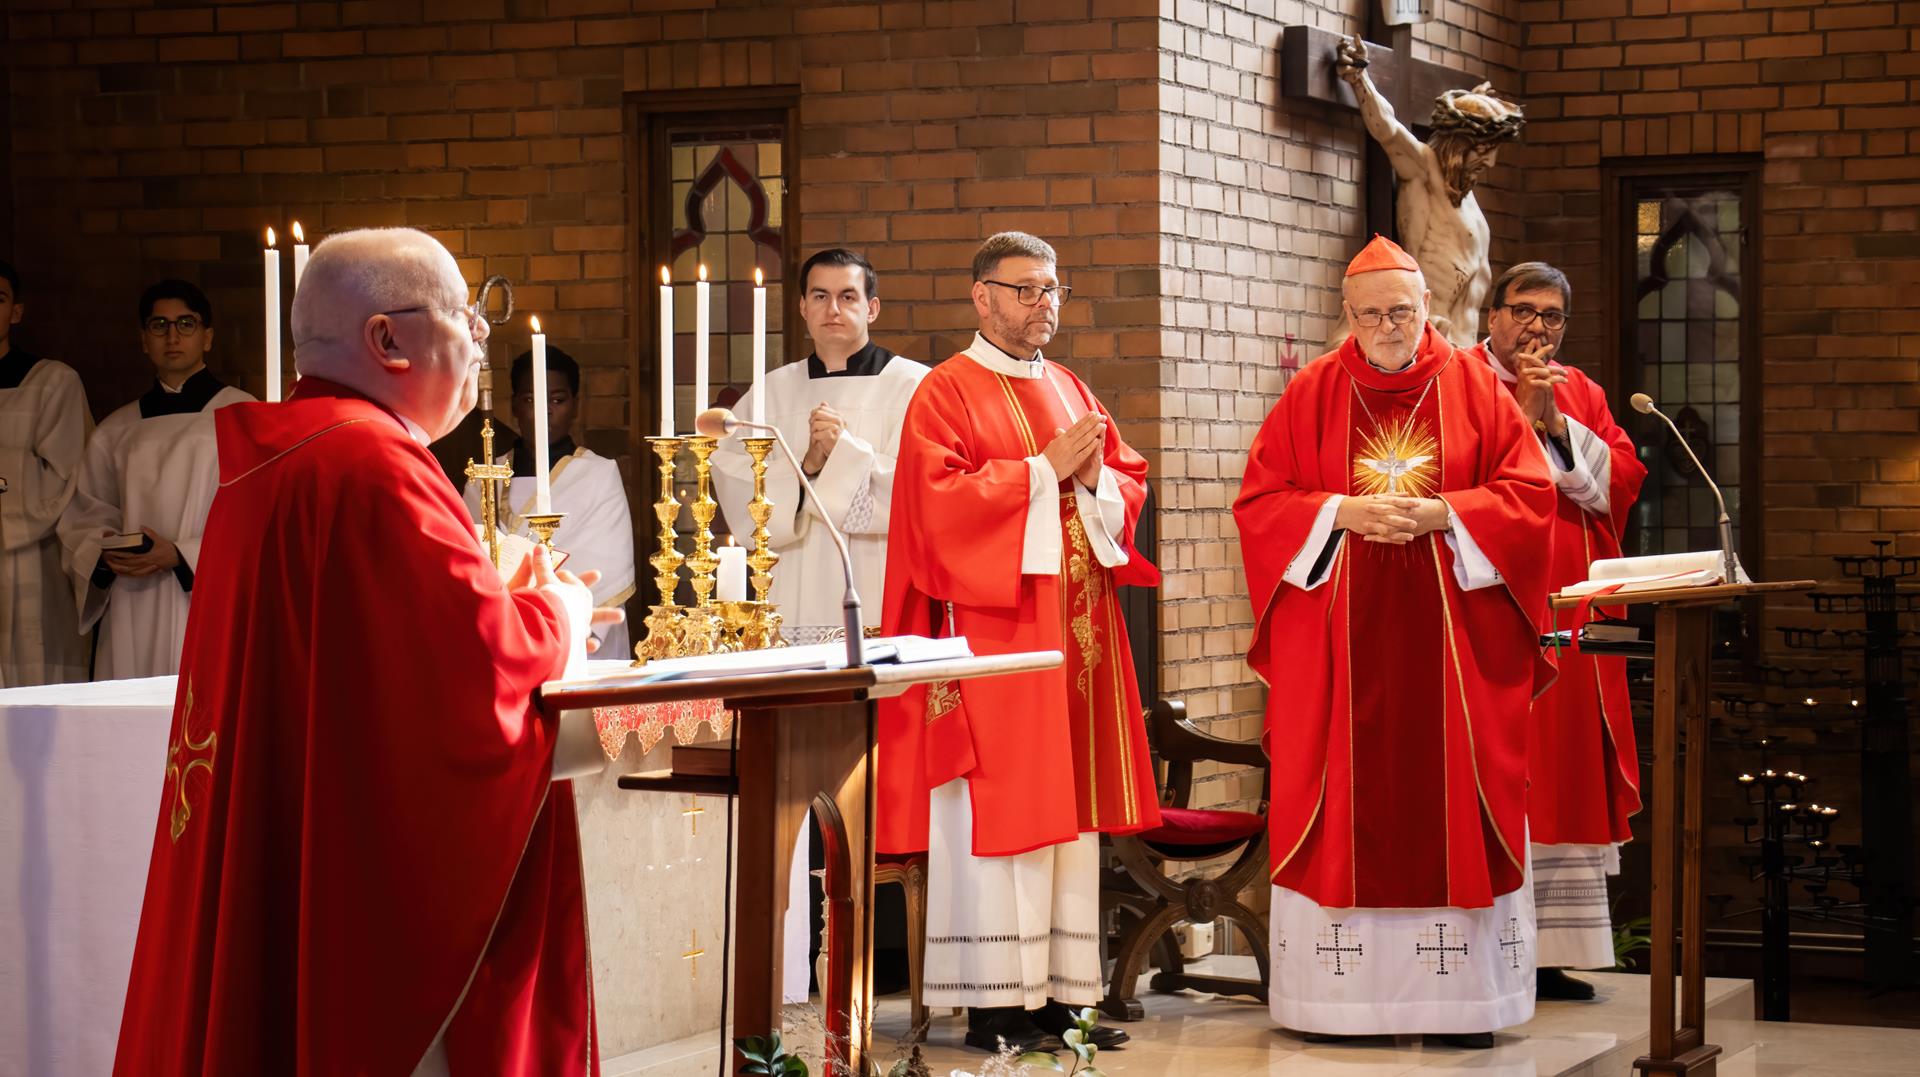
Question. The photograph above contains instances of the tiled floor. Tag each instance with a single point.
(1200, 1036)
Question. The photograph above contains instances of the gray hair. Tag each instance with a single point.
(355, 275)
(1531, 277)
(1003, 245)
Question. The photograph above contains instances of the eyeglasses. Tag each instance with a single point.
(1398, 316)
(1552, 319)
(476, 322)
(1029, 295)
(187, 324)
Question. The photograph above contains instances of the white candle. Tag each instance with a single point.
(299, 255)
(732, 583)
(700, 323)
(542, 487)
(666, 353)
(270, 287)
(759, 347)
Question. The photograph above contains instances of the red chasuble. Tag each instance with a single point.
(1586, 775)
(955, 543)
(357, 834)
(1396, 715)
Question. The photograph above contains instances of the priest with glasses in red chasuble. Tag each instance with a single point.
(1392, 516)
(1014, 505)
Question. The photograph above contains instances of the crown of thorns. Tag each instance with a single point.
(1477, 114)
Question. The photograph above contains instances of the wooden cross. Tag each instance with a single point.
(1309, 70)
(693, 955)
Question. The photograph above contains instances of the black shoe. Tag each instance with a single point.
(1478, 1041)
(1328, 1037)
(989, 1026)
(1057, 1018)
(1556, 984)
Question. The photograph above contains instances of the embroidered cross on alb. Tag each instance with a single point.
(1433, 950)
(1339, 950)
(1510, 941)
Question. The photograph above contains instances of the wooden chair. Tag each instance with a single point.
(910, 873)
(1149, 901)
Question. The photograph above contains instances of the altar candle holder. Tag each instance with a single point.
(703, 627)
(664, 623)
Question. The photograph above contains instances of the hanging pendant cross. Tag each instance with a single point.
(693, 812)
(693, 955)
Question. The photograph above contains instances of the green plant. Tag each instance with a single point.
(767, 1056)
(1630, 938)
(1076, 1039)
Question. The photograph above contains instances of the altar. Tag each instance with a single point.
(77, 813)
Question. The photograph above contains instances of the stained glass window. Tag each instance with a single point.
(728, 189)
(1687, 354)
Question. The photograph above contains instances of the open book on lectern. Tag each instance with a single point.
(886, 650)
(1656, 572)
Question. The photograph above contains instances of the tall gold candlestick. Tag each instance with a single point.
(703, 625)
(663, 624)
(762, 558)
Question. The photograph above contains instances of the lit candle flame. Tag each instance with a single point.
(269, 235)
(298, 235)
(666, 276)
(703, 271)
(759, 278)
(535, 319)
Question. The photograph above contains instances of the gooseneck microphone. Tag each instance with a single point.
(1729, 561)
(721, 423)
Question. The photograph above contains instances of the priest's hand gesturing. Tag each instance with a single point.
(1079, 449)
(538, 574)
(1534, 391)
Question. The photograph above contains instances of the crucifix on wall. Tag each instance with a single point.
(1418, 193)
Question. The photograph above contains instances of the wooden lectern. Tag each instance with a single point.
(806, 742)
(1682, 674)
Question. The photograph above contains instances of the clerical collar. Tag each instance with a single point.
(1499, 367)
(864, 363)
(989, 355)
(193, 395)
(523, 453)
(15, 366)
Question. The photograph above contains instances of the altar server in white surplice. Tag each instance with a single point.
(839, 411)
(43, 434)
(132, 532)
(598, 530)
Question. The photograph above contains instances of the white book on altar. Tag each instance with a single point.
(1656, 572)
(813, 656)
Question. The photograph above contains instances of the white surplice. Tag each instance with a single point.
(596, 534)
(855, 488)
(159, 473)
(856, 493)
(44, 423)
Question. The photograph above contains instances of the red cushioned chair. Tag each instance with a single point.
(1148, 901)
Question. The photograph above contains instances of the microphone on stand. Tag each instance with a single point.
(721, 423)
(1729, 560)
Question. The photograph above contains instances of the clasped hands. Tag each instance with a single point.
(1080, 450)
(824, 429)
(1534, 392)
(1391, 518)
(163, 557)
(537, 572)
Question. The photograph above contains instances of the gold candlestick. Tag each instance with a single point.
(703, 627)
(543, 525)
(762, 558)
(663, 624)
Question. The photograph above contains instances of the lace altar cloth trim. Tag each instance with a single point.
(650, 723)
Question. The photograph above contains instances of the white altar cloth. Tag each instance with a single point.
(79, 794)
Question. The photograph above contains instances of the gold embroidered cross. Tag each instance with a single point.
(693, 812)
(179, 766)
(693, 955)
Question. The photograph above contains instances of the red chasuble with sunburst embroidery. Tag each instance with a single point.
(1397, 704)
(1047, 755)
(358, 850)
(1586, 773)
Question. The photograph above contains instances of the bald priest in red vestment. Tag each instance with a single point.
(1392, 519)
(1585, 772)
(1014, 505)
(361, 865)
